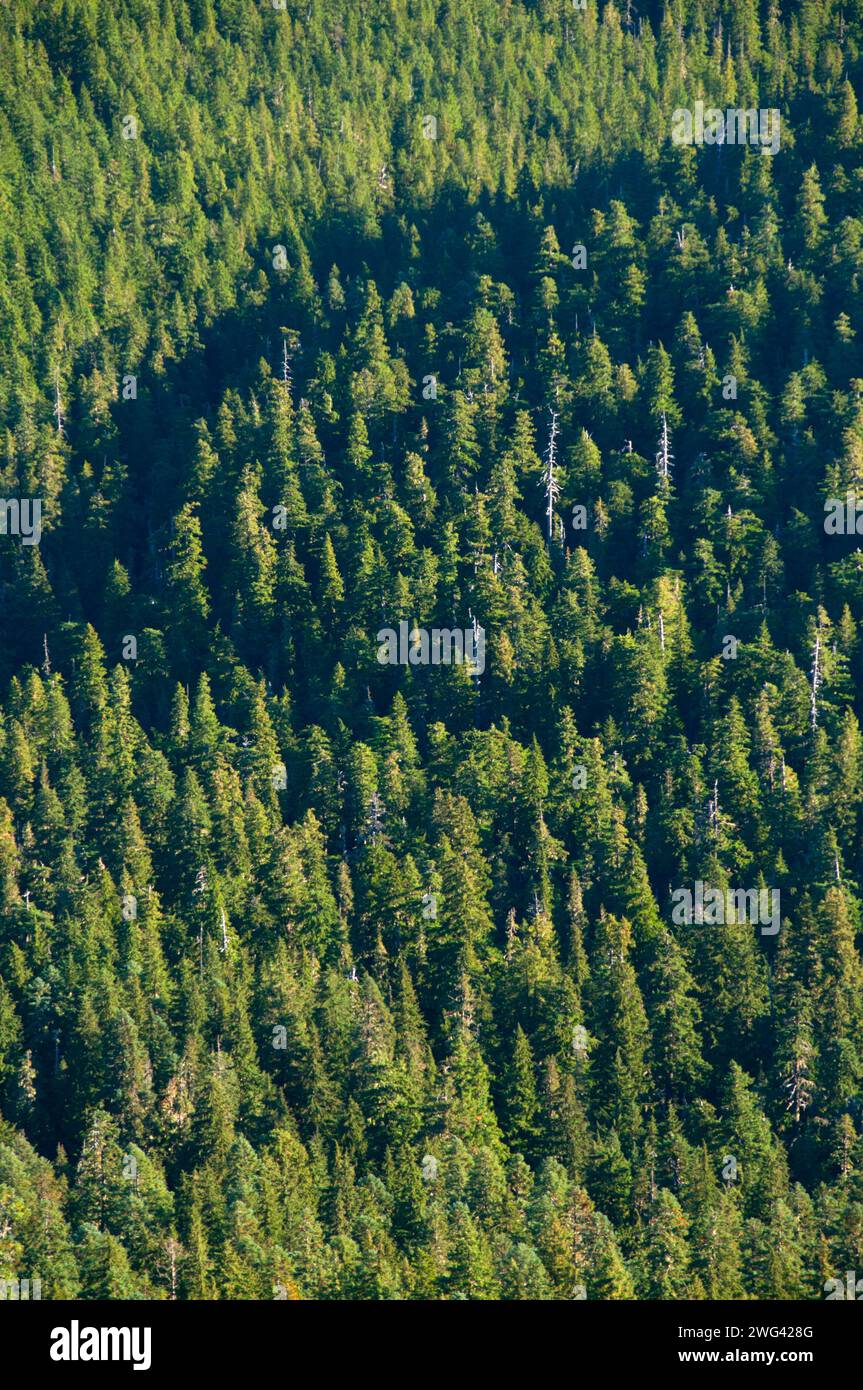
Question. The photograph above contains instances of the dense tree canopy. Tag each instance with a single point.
(328, 978)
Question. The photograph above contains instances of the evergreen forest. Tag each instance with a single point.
(327, 976)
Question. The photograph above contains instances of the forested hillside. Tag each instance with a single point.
(323, 977)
